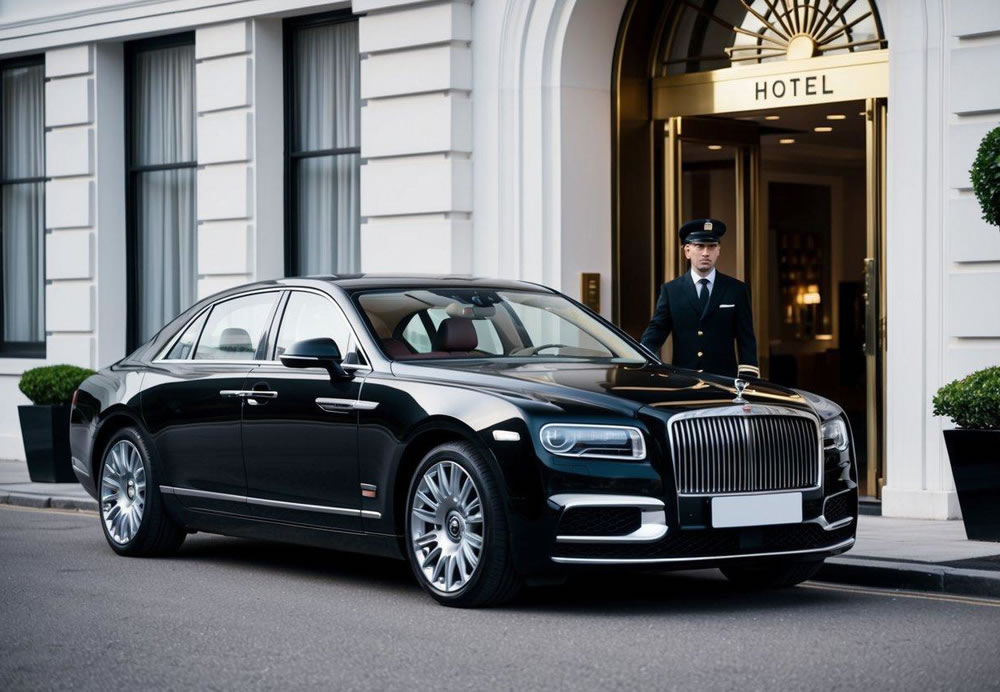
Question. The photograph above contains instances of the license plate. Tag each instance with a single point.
(756, 510)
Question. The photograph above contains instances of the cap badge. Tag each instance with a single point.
(708, 225)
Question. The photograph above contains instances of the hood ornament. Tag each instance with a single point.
(741, 385)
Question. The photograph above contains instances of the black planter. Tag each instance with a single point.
(45, 431)
(975, 464)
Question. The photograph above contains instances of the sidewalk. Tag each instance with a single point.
(16, 488)
(913, 554)
(917, 554)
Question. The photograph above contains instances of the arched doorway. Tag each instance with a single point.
(768, 114)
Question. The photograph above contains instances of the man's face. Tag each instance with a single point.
(703, 256)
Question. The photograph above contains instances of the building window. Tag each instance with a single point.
(22, 207)
(323, 145)
(161, 160)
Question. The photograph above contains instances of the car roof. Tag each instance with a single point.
(356, 282)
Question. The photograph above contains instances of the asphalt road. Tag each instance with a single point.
(227, 614)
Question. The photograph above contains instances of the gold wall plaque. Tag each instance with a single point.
(590, 290)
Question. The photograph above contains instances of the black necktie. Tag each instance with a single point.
(703, 298)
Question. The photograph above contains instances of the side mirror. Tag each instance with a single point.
(316, 353)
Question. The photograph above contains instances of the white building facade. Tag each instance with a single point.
(157, 151)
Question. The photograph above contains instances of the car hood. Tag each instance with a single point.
(626, 388)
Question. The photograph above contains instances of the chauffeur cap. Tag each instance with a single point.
(702, 231)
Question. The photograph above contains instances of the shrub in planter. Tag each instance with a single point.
(973, 403)
(45, 423)
(985, 174)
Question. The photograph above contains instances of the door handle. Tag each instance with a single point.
(249, 394)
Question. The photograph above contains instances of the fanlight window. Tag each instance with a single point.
(704, 35)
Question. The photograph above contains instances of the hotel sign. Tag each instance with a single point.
(777, 84)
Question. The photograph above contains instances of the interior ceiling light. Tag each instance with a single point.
(836, 116)
(823, 128)
(786, 140)
(714, 147)
(772, 117)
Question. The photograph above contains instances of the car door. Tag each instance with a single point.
(300, 434)
(191, 403)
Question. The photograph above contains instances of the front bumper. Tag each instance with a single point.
(649, 539)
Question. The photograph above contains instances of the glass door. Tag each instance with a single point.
(712, 171)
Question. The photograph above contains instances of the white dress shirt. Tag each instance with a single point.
(696, 277)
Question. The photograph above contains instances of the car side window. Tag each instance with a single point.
(235, 327)
(310, 316)
(181, 350)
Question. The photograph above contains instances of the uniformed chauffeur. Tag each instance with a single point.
(707, 312)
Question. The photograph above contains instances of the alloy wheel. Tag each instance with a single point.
(123, 492)
(447, 526)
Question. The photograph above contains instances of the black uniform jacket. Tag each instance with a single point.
(705, 342)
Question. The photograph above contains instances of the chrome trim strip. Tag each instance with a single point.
(172, 490)
(79, 466)
(305, 508)
(641, 561)
(698, 466)
(207, 494)
(341, 405)
(653, 516)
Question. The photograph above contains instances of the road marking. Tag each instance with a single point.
(969, 600)
(51, 510)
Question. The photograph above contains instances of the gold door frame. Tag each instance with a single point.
(875, 293)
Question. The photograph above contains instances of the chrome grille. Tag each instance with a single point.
(738, 454)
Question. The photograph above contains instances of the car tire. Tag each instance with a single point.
(454, 502)
(774, 575)
(133, 518)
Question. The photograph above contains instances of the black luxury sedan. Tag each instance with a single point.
(492, 433)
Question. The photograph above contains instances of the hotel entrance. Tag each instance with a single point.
(785, 142)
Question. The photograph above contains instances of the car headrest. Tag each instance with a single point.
(456, 334)
(235, 340)
(395, 348)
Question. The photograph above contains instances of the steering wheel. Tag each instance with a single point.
(533, 350)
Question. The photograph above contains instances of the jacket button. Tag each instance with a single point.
(700, 354)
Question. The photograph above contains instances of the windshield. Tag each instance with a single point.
(435, 323)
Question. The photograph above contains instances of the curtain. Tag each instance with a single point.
(327, 80)
(22, 204)
(163, 133)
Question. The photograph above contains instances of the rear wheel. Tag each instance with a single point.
(456, 529)
(133, 518)
(772, 575)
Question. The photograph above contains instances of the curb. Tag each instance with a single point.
(912, 576)
(43, 501)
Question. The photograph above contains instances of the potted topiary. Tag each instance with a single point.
(45, 423)
(985, 175)
(973, 403)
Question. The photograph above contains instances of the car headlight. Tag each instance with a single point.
(603, 441)
(835, 435)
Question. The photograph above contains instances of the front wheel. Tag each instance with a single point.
(134, 520)
(457, 536)
(772, 575)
